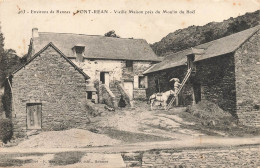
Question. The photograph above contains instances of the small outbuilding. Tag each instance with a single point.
(47, 93)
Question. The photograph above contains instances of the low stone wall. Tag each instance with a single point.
(106, 96)
(140, 94)
(123, 92)
(228, 157)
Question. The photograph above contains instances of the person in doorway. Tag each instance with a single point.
(176, 89)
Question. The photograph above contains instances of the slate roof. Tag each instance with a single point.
(98, 47)
(65, 57)
(211, 49)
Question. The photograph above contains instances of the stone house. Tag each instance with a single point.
(46, 93)
(225, 71)
(114, 65)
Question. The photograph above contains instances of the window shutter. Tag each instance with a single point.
(136, 81)
(146, 81)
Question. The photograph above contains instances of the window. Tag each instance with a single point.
(89, 95)
(79, 52)
(140, 82)
(129, 65)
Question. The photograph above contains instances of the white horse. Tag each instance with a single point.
(161, 98)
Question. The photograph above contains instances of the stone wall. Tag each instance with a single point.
(123, 92)
(247, 68)
(94, 67)
(117, 71)
(138, 68)
(106, 96)
(228, 157)
(49, 79)
(217, 79)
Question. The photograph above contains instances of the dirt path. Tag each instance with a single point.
(194, 142)
(73, 138)
(143, 120)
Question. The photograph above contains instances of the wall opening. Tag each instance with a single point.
(34, 115)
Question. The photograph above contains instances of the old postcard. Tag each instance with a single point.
(130, 83)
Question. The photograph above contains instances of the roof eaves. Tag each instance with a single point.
(158, 70)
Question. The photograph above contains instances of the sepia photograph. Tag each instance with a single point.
(130, 84)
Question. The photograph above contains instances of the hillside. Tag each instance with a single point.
(194, 35)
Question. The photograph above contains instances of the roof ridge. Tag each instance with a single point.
(231, 35)
(255, 27)
(55, 48)
(130, 38)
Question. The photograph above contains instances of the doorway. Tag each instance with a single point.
(104, 78)
(34, 115)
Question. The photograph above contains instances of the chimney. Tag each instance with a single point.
(35, 32)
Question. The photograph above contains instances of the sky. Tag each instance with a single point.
(151, 26)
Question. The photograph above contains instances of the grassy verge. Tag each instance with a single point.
(130, 137)
(66, 158)
(11, 160)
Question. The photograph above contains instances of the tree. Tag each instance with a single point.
(9, 61)
(1, 42)
(1, 56)
(112, 34)
(237, 26)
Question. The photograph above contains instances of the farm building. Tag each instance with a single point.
(47, 93)
(225, 71)
(115, 65)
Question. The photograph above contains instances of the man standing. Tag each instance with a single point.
(176, 89)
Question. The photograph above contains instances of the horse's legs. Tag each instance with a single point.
(165, 105)
(152, 104)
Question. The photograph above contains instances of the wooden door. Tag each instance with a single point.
(129, 89)
(34, 115)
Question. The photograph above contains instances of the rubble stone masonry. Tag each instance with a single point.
(51, 80)
(224, 157)
(117, 71)
(247, 68)
(217, 79)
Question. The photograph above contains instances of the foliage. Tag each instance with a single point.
(9, 61)
(6, 130)
(237, 26)
(195, 35)
(1, 55)
(112, 34)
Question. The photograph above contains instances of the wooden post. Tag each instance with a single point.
(193, 96)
